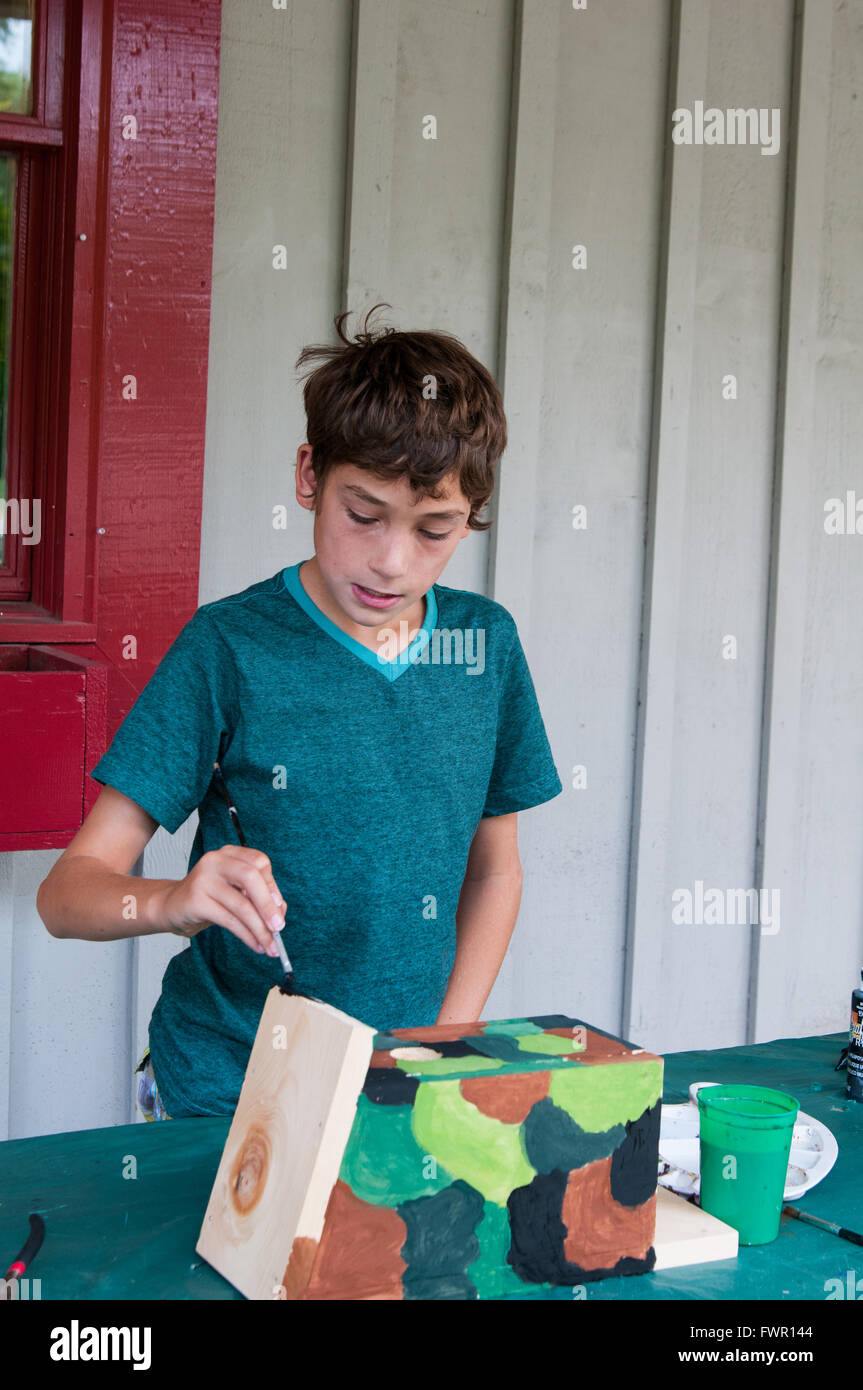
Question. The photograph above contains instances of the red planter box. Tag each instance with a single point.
(53, 712)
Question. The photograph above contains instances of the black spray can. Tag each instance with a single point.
(854, 1073)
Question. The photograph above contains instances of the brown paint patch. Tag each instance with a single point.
(382, 1059)
(599, 1050)
(506, 1098)
(359, 1250)
(610, 1047)
(446, 1032)
(603, 1059)
(298, 1270)
(599, 1230)
(248, 1176)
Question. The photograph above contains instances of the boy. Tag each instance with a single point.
(378, 733)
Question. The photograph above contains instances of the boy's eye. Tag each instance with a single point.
(367, 521)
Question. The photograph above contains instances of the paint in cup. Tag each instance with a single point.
(854, 1065)
(745, 1137)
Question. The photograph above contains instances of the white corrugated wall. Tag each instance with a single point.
(696, 387)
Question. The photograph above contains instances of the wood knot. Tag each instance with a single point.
(250, 1169)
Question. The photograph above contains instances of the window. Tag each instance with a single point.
(33, 211)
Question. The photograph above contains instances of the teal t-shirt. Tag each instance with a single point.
(362, 779)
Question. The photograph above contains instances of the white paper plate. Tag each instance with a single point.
(813, 1150)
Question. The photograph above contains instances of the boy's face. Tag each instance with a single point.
(375, 534)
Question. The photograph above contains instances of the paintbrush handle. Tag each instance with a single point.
(283, 955)
(823, 1224)
(31, 1247)
(222, 785)
(850, 1235)
(232, 810)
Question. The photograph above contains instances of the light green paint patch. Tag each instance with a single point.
(547, 1042)
(599, 1097)
(445, 1066)
(483, 1151)
(382, 1163)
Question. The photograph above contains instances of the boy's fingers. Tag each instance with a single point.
(222, 917)
(239, 906)
(259, 889)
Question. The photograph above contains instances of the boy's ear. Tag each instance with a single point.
(305, 478)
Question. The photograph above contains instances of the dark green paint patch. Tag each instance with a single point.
(441, 1242)
(552, 1139)
(633, 1166)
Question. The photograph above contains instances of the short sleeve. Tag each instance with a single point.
(524, 773)
(162, 755)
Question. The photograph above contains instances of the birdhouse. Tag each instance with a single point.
(463, 1161)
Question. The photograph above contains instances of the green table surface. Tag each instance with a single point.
(110, 1235)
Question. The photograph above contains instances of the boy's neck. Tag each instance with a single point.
(310, 578)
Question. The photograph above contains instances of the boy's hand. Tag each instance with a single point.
(232, 887)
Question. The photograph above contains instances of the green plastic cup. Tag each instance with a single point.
(745, 1136)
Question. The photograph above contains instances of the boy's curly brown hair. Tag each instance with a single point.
(415, 405)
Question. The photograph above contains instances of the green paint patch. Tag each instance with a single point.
(552, 1139)
(483, 1151)
(384, 1041)
(382, 1163)
(504, 1047)
(598, 1098)
(489, 1273)
(515, 1028)
(548, 1043)
(448, 1066)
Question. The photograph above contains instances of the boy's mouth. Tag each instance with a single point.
(374, 598)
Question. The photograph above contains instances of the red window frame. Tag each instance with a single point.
(37, 141)
(124, 302)
(43, 596)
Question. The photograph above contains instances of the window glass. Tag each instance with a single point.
(16, 46)
(8, 175)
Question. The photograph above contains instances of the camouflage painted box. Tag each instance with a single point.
(487, 1158)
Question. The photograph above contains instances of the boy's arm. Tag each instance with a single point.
(485, 917)
(83, 894)
(90, 894)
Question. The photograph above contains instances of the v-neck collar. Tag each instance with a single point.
(390, 669)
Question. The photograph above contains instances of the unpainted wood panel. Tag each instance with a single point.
(593, 451)
(280, 181)
(725, 544)
(826, 909)
(70, 1060)
(448, 193)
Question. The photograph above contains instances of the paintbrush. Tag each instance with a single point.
(289, 985)
(824, 1225)
(27, 1252)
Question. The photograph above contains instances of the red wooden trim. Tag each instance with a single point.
(158, 274)
(54, 65)
(23, 133)
(26, 622)
(10, 580)
(77, 561)
(139, 304)
(36, 839)
(39, 58)
(23, 366)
